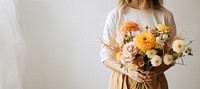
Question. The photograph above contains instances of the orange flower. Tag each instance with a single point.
(145, 41)
(129, 26)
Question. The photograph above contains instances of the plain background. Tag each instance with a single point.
(63, 46)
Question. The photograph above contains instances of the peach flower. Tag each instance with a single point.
(129, 26)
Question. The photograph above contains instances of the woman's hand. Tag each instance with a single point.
(151, 75)
(137, 76)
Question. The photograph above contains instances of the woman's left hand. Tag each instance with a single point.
(152, 74)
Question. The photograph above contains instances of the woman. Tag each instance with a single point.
(11, 46)
(145, 13)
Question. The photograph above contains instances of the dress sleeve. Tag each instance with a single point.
(109, 35)
(172, 25)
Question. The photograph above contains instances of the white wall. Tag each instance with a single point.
(186, 13)
(63, 47)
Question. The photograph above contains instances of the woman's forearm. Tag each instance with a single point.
(112, 64)
(163, 68)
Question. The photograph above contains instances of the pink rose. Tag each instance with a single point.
(129, 51)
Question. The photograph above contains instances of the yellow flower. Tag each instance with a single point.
(129, 26)
(163, 29)
(145, 41)
(118, 55)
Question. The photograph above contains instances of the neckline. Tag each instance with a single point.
(139, 10)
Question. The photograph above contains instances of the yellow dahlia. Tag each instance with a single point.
(129, 26)
(145, 41)
(163, 29)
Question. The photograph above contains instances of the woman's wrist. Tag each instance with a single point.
(161, 69)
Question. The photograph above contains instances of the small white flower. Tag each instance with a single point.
(158, 39)
(156, 61)
(178, 46)
(165, 36)
(129, 50)
(151, 53)
(168, 59)
(162, 38)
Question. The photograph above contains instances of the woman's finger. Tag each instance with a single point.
(140, 75)
(148, 72)
(149, 79)
(138, 79)
(135, 76)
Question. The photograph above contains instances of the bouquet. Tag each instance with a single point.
(142, 51)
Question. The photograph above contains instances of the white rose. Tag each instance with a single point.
(151, 53)
(168, 59)
(178, 46)
(156, 61)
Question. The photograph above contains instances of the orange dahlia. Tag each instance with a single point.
(145, 41)
(129, 26)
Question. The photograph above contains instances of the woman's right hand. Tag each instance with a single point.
(137, 76)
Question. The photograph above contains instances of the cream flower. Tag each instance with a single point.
(178, 46)
(151, 53)
(168, 59)
(129, 51)
(156, 61)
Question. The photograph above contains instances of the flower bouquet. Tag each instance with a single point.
(142, 51)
